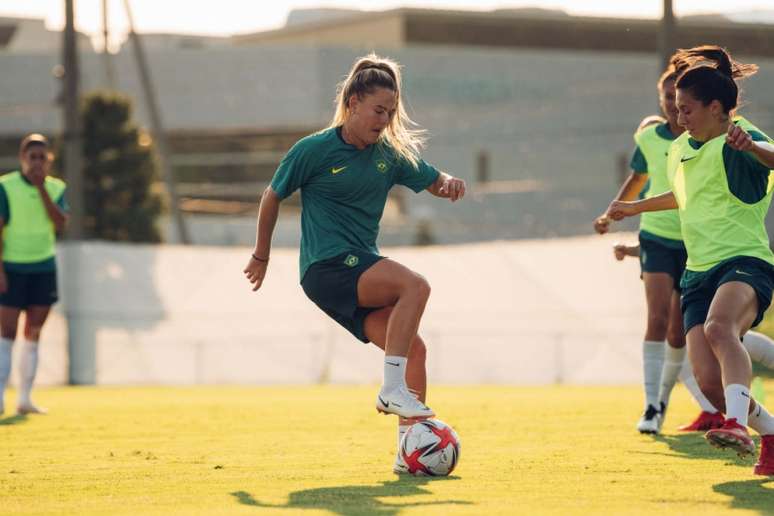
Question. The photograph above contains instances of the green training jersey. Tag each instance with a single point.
(653, 143)
(343, 191)
(47, 264)
(29, 236)
(723, 196)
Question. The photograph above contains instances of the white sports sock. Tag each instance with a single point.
(652, 363)
(760, 348)
(673, 364)
(402, 429)
(394, 373)
(686, 376)
(28, 366)
(761, 421)
(737, 403)
(5, 367)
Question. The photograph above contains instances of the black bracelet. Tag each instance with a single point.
(266, 260)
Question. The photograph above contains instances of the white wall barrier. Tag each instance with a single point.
(524, 312)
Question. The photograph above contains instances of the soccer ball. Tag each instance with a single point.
(430, 447)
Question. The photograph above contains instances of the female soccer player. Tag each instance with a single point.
(720, 180)
(344, 173)
(759, 346)
(662, 259)
(32, 210)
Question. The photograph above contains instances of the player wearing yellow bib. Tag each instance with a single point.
(345, 173)
(720, 177)
(32, 210)
(662, 259)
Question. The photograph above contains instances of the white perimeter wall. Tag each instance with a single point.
(526, 312)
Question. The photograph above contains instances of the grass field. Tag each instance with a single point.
(324, 450)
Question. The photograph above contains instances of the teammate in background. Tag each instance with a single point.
(720, 180)
(32, 210)
(344, 173)
(759, 346)
(663, 258)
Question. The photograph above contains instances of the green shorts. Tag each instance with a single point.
(662, 255)
(699, 287)
(332, 285)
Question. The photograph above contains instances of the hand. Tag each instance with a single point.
(602, 224)
(619, 210)
(36, 176)
(738, 139)
(255, 271)
(3, 282)
(453, 188)
(621, 251)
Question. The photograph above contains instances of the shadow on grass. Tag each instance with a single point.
(356, 500)
(694, 446)
(754, 495)
(13, 420)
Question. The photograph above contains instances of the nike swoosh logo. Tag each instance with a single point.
(393, 363)
(742, 273)
(385, 403)
(744, 394)
(684, 159)
(335, 170)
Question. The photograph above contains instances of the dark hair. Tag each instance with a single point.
(31, 140)
(710, 74)
(673, 70)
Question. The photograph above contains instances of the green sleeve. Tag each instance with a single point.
(62, 201)
(416, 177)
(747, 177)
(638, 163)
(294, 170)
(5, 212)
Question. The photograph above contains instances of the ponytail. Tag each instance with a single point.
(367, 74)
(710, 74)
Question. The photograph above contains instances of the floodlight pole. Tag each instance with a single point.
(110, 76)
(157, 129)
(72, 131)
(81, 351)
(666, 45)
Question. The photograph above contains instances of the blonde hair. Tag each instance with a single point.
(367, 74)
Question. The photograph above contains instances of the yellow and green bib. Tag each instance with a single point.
(29, 236)
(715, 224)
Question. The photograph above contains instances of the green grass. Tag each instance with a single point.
(324, 450)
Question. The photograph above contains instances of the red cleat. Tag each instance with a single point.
(765, 465)
(732, 435)
(705, 421)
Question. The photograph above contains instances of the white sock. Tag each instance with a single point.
(28, 366)
(652, 363)
(686, 376)
(673, 364)
(760, 348)
(761, 421)
(394, 373)
(402, 429)
(737, 403)
(5, 367)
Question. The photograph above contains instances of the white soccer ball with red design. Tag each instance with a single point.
(430, 447)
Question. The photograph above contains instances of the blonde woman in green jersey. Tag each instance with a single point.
(662, 259)
(344, 173)
(720, 176)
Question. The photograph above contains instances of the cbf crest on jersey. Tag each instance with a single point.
(382, 166)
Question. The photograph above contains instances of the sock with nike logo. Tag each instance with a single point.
(394, 372)
(737, 403)
(761, 421)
